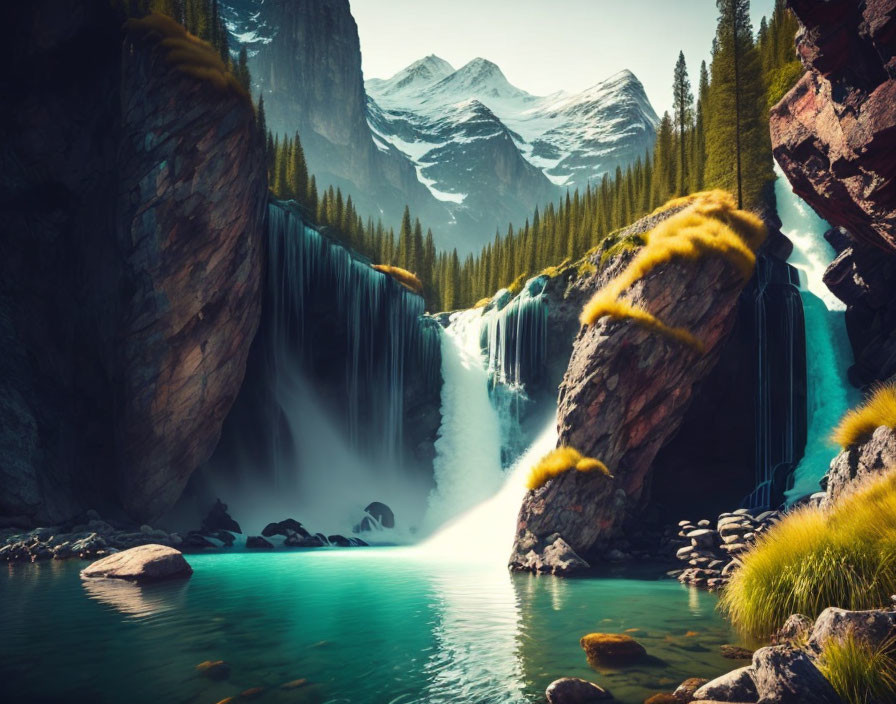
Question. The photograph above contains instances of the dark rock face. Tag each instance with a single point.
(625, 393)
(834, 133)
(219, 520)
(850, 468)
(864, 278)
(131, 265)
(193, 195)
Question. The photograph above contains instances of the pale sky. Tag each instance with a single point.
(546, 45)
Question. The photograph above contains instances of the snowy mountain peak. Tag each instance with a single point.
(412, 79)
(480, 78)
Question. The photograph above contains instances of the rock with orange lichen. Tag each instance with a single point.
(611, 649)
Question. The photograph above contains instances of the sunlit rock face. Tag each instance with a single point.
(834, 133)
(625, 393)
(130, 262)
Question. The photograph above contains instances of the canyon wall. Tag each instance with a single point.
(131, 257)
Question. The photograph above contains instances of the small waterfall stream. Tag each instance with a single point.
(828, 352)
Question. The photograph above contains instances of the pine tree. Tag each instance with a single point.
(242, 68)
(737, 158)
(683, 109)
(699, 142)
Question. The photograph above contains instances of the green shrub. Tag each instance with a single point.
(814, 559)
(859, 672)
(859, 423)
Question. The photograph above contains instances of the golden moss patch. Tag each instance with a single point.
(517, 284)
(710, 225)
(183, 51)
(611, 649)
(814, 559)
(402, 276)
(482, 302)
(562, 460)
(861, 422)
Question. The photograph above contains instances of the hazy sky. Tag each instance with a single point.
(546, 45)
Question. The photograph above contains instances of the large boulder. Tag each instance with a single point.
(624, 395)
(734, 686)
(572, 690)
(146, 563)
(834, 133)
(875, 627)
(784, 675)
(857, 464)
(218, 519)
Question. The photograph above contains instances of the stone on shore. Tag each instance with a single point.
(572, 690)
(146, 563)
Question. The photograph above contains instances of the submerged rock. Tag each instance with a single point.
(147, 563)
(685, 691)
(572, 690)
(214, 669)
(611, 649)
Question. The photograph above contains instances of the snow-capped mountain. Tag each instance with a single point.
(464, 148)
(571, 138)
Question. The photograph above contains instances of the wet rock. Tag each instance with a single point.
(611, 649)
(285, 528)
(572, 690)
(735, 686)
(339, 541)
(197, 541)
(297, 541)
(146, 563)
(382, 513)
(219, 519)
(214, 669)
(784, 675)
(256, 542)
(685, 691)
(736, 652)
(552, 556)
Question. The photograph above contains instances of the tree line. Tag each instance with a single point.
(716, 139)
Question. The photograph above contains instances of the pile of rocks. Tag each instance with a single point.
(714, 549)
(90, 540)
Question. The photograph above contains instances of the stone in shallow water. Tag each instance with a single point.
(256, 542)
(572, 690)
(611, 649)
(685, 691)
(214, 669)
(146, 563)
(735, 652)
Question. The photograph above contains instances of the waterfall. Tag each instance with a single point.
(318, 430)
(467, 466)
(828, 351)
(489, 355)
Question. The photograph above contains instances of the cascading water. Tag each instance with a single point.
(318, 429)
(488, 356)
(828, 352)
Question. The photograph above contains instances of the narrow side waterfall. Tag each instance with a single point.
(828, 353)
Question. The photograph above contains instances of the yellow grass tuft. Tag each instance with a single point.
(482, 302)
(861, 422)
(815, 558)
(561, 460)
(402, 276)
(709, 225)
(185, 52)
(517, 284)
(860, 673)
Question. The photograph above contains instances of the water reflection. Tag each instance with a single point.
(135, 600)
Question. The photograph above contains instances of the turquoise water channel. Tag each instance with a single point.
(383, 625)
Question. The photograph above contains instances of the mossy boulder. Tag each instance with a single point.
(603, 649)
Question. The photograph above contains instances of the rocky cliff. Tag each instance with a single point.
(625, 394)
(132, 215)
(834, 134)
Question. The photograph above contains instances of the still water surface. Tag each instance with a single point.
(379, 625)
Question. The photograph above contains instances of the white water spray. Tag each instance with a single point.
(467, 466)
(828, 352)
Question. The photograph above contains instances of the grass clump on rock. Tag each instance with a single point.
(815, 558)
(183, 51)
(709, 225)
(860, 423)
(561, 460)
(611, 649)
(402, 276)
(861, 673)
